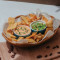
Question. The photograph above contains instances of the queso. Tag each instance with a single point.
(22, 30)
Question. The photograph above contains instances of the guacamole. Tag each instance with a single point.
(38, 26)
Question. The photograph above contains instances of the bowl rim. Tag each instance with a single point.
(22, 35)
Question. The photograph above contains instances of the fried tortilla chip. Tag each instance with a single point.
(37, 40)
(33, 34)
(10, 35)
(31, 41)
(13, 39)
(12, 26)
(47, 29)
(33, 16)
(25, 19)
(20, 38)
(37, 37)
(19, 23)
(11, 20)
(49, 23)
(52, 17)
(10, 31)
(44, 19)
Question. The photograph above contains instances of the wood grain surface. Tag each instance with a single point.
(47, 51)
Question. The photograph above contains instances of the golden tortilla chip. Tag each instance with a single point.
(20, 38)
(33, 34)
(10, 35)
(47, 29)
(25, 19)
(19, 23)
(37, 40)
(13, 39)
(49, 23)
(31, 41)
(12, 26)
(52, 17)
(44, 19)
(11, 20)
(10, 31)
(33, 16)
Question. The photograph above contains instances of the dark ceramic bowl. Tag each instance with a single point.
(40, 31)
(22, 35)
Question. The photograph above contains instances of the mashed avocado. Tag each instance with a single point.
(38, 26)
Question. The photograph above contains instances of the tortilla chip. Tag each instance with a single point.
(33, 34)
(35, 37)
(20, 38)
(11, 20)
(25, 19)
(52, 17)
(31, 41)
(49, 23)
(44, 19)
(10, 35)
(13, 39)
(47, 29)
(33, 16)
(10, 31)
(42, 36)
(12, 26)
(37, 40)
(19, 23)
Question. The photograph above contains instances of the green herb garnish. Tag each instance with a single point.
(21, 27)
(16, 29)
(24, 32)
(19, 33)
(25, 28)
